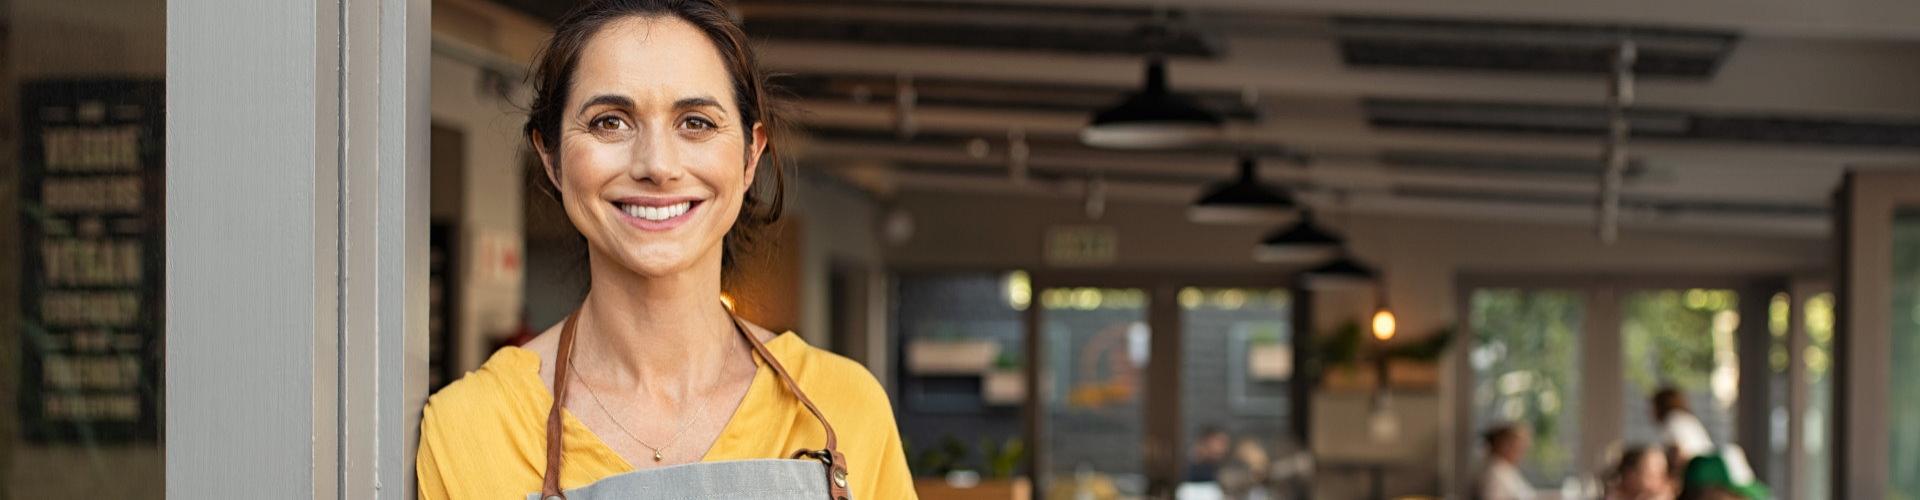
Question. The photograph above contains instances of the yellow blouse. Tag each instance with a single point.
(484, 436)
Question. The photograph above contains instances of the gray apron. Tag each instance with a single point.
(809, 475)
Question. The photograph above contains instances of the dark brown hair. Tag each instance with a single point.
(1668, 399)
(1632, 459)
(552, 79)
(1499, 434)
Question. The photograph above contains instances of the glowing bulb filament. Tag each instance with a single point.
(1383, 324)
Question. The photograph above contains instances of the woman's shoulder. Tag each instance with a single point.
(479, 433)
(828, 377)
(505, 388)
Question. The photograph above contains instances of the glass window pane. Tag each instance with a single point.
(1097, 345)
(1819, 361)
(1903, 396)
(1779, 312)
(81, 251)
(1682, 339)
(962, 383)
(1526, 371)
(1237, 358)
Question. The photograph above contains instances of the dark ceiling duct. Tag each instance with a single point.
(1580, 168)
(991, 94)
(1529, 46)
(921, 26)
(1646, 122)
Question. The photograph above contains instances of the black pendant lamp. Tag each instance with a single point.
(1243, 200)
(1342, 273)
(1152, 118)
(1304, 241)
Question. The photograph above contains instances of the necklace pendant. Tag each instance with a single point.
(656, 456)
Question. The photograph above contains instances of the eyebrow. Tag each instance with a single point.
(621, 101)
(696, 102)
(618, 101)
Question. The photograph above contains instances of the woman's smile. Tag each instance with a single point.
(657, 213)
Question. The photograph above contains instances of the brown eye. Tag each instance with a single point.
(609, 123)
(697, 124)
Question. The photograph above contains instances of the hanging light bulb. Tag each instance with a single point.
(1384, 324)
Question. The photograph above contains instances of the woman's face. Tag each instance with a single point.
(653, 162)
(1649, 476)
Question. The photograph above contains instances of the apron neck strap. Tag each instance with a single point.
(550, 484)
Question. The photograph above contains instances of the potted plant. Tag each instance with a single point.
(1345, 360)
(1006, 383)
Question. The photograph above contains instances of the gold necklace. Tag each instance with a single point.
(657, 450)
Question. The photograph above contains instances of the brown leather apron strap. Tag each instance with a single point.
(556, 423)
(836, 464)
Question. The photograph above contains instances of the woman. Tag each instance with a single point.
(1680, 431)
(651, 120)
(1501, 478)
(1641, 475)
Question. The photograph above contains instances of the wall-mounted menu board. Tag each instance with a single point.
(91, 171)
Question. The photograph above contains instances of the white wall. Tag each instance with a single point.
(492, 183)
(839, 222)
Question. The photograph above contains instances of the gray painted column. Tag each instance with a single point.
(252, 234)
(296, 237)
(403, 226)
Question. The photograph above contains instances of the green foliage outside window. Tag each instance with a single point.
(1527, 371)
(1671, 337)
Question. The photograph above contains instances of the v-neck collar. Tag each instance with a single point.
(760, 403)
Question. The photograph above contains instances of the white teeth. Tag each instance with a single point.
(659, 213)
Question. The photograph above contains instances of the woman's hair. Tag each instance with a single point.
(1668, 399)
(1633, 458)
(552, 79)
(1499, 434)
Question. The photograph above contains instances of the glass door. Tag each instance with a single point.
(1097, 346)
(83, 249)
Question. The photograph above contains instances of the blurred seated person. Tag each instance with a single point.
(1680, 430)
(1210, 449)
(1249, 453)
(1722, 476)
(1501, 478)
(1642, 474)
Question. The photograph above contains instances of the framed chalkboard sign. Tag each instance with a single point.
(92, 211)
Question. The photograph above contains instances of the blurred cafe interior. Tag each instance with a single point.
(1131, 249)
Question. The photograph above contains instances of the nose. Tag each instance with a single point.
(656, 158)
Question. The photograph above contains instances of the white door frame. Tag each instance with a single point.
(1863, 337)
(296, 233)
